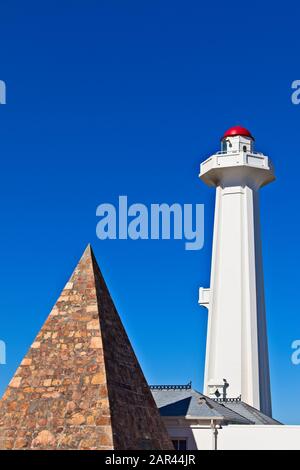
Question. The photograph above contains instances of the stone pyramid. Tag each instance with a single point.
(80, 385)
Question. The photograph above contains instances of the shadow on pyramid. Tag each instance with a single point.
(80, 385)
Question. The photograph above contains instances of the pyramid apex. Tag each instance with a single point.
(87, 255)
(88, 249)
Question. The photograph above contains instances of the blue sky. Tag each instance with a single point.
(109, 98)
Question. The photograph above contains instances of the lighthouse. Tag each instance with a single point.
(237, 364)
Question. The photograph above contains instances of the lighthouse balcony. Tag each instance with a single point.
(237, 168)
(224, 159)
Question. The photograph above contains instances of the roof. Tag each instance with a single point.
(250, 413)
(178, 402)
(237, 130)
(183, 401)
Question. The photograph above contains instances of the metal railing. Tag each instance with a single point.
(230, 152)
(228, 400)
(188, 386)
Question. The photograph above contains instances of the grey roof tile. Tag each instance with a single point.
(251, 413)
(190, 403)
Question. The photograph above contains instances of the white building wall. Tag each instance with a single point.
(238, 437)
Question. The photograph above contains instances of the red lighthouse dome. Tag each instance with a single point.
(237, 130)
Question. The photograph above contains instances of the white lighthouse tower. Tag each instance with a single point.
(237, 349)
